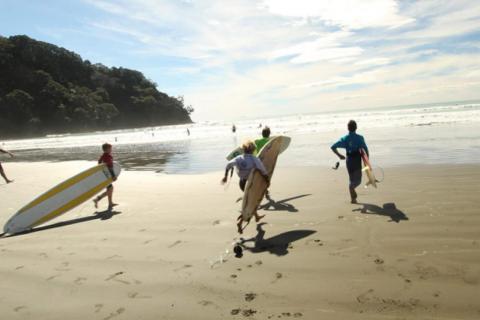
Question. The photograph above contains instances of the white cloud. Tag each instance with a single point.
(280, 55)
(350, 14)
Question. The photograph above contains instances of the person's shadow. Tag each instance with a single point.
(388, 210)
(281, 205)
(102, 215)
(277, 245)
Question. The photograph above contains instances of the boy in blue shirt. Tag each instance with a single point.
(352, 142)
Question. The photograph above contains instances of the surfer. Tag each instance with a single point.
(108, 160)
(234, 128)
(259, 143)
(352, 142)
(2, 172)
(245, 163)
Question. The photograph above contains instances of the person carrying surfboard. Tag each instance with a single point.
(259, 143)
(245, 163)
(2, 172)
(353, 143)
(108, 160)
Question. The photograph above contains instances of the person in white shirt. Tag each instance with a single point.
(245, 163)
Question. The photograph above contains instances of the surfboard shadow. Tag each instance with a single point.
(282, 205)
(277, 245)
(388, 209)
(102, 215)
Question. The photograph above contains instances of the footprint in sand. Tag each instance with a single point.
(258, 262)
(278, 276)
(175, 243)
(216, 222)
(43, 255)
(315, 242)
(17, 309)
(142, 230)
(136, 295)
(245, 313)
(19, 267)
(379, 261)
(233, 276)
(80, 280)
(206, 303)
(185, 266)
(118, 312)
(114, 277)
(248, 312)
(250, 296)
(98, 307)
(148, 241)
(53, 277)
(113, 257)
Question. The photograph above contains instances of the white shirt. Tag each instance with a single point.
(245, 163)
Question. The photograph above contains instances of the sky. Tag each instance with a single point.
(243, 59)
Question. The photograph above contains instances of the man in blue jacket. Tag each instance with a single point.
(352, 142)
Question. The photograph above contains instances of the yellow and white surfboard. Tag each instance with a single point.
(61, 198)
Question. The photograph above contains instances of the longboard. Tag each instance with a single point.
(367, 168)
(256, 184)
(61, 198)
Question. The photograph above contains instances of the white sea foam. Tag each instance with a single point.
(292, 125)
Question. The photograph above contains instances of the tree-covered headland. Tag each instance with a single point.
(46, 89)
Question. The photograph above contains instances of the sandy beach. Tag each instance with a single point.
(410, 250)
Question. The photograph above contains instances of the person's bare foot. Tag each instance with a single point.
(9, 181)
(110, 206)
(354, 201)
(258, 218)
(239, 228)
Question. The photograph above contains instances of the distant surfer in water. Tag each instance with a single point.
(352, 142)
(2, 172)
(108, 160)
(245, 163)
(234, 128)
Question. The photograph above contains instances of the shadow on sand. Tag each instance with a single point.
(281, 205)
(277, 245)
(102, 215)
(388, 210)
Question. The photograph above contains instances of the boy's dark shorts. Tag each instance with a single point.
(242, 184)
(354, 167)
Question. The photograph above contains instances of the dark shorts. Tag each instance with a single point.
(242, 184)
(354, 167)
(109, 186)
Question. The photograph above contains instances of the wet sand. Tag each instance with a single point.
(410, 250)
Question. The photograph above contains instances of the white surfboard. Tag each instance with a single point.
(256, 185)
(367, 168)
(61, 198)
(238, 151)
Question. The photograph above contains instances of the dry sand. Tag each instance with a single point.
(411, 252)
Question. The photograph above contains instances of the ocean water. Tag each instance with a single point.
(425, 134)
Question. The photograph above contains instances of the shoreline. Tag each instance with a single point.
(411, 250)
